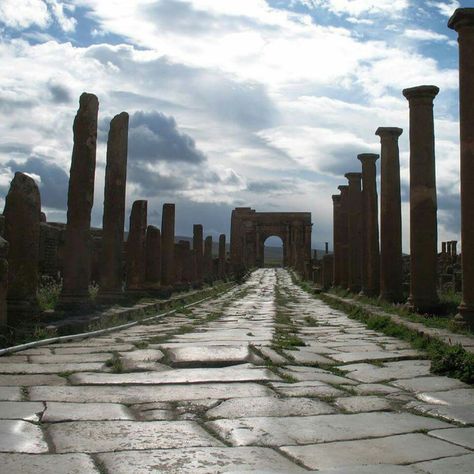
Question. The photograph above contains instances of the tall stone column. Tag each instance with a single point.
(167, 244)
(391, 263)
(463, 22)
(135, 249)
(336, 207)
(198, 247)
(111, 269)
(371, 262)
(355, 231)
(153, 256)
(22, 232)
(344, 216)
(423, 204)
(208, 258)
(77, 252)
(221, 256)
(3, 281)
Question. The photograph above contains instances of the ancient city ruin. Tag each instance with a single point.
(171, 355)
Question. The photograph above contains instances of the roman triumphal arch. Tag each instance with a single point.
(249, 230)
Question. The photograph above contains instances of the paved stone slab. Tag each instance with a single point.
(462, 436)
(304, 374)
(463, 414)
(143, 355)
(369, 373)
(57, 411)
(209, 356)
(102, 436)
(69, 358)
(236, 373)
(29, 380)
(373, 388)
(19, 436)
(8, 359)
(307, 357)
(371, 469)
(265, 431)
(429, 384)
(460, 396)
(28, 411)
(269, 406)
(158, 415)
(451, 465)
(276, 358)
(10, 393)
(307, 389)
(144, 394)
(90, 349)
(400, 449)
(198, 460)
(47, 464)
(371, 355)
(363, 404)
(50, 368)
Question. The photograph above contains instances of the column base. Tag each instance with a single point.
(391, 298)
(465, 317)
(431, 306)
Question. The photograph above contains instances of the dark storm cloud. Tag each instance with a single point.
(59, 94)
(54, 180)
(341, 159)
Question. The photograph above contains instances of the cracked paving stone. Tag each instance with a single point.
(451, 465)
(47, 464)
(57, 411)
(102, 436)
(266, 431)
(269, 406)
(363, 404)
(369, 373)
(402, 449)
(19, 436)
(146, 394)
(28, 411)
(461, 436)
(198, 460)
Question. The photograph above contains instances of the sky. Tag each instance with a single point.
(260, 103)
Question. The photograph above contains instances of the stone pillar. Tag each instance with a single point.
(111, 269)
(336, 205)
(153, 256)
(135, 249)
(423, 205)
(198, 248)
(344, 210)
(208, 258)
(454, 249)
(78, 244)
(443, 248)
(391, 263)
(167, 244)
(371, 262)
(3, 281)
(222, 256)
(22, 232)
(463, 22)
(355, 231)
(327, 271)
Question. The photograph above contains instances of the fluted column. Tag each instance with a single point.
(167, 244)
(355, 231)
(423, 203)
(336, 207)
(463, 22)
(371, 261)
(344, 216)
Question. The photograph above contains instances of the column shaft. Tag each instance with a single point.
(167, 244)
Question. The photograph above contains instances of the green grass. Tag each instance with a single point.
(141, 344)
(115, 363)
(48, 293)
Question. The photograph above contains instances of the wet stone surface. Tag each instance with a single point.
(264, 378)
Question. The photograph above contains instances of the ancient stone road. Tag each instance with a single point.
(213, 389)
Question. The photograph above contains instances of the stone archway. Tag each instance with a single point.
(250, 229)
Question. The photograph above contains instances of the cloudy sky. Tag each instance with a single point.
(232, 102)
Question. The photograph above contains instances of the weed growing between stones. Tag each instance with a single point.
(141, 344)
(115, 363)
(48, 293)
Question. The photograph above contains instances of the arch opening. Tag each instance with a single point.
(273, 252)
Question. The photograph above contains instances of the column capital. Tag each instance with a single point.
(421, 92)
(368, 157)
(389, 132)
(353, 177)
(460, 18)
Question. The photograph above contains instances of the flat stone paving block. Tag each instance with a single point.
(278, 431)
(451, 465)
(28, 380)
(69, 358)
(429, 384)
(402, 449)
(463, 414)
(363, 404)
(205, 355)
(47, 464)
(462, 436)
(371, 469)
(269, 406)
(19, 436)
(10, 393)
(50, 368)
(90, 349)
(28, 411)
(305, 374)
(198, 460)
(57, 411)
(462, 396)
(236, 373)
(307, 389)
(101, 436)
(374, 388)
(146, 394)
(368, 355)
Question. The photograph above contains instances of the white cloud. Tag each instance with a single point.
(356, 8)
(445, 8)
(425, 35)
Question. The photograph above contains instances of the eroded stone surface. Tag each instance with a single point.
(19, 436)
(10, 393)
(363, 404)
(56, 411)
(28, 411)
(461, 436)
(451, 465)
